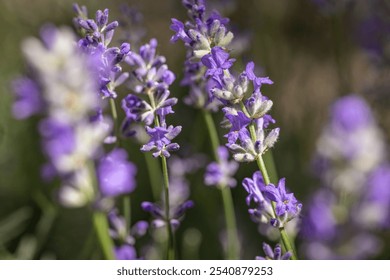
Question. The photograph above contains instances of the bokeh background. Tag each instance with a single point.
(314, 51)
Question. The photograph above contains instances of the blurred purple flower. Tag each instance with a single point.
(28, 98)
(125, 252)
(116, 175)
(221, 173)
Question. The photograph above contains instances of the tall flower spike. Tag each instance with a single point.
(350, 162)
(96, 36)
(64, 91)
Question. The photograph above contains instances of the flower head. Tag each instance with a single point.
(160, 140)
(286, 203)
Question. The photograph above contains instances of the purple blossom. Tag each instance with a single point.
(286, 203)
(150, 72)
(239, 123)
(58, 139)
(97, 35)
(217, 62)
(320, 222)
(116, 175)
(257, 81)
(274, 254)
(263, 212)
(179, 28)
(350, 113)
(221, 173)
(160, 140)
(28, 98)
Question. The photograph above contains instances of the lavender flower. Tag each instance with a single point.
(221, 173)
(116, 174)
(97, 35)
(160, 140)
(64, 92)
(286, 203)
(151, 104)
(249, 149)
(275, 254)
(28, 100)
(263, 212)
(353, 203)
(287, 206)
(199, 35)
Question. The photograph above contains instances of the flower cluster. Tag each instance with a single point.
(246, 109)
(199, 35)
(354, 171)
(97, 35)
(63, 91)
(150, 102)
(286, 205)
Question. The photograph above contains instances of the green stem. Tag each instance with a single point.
(154, 176)
(115, 118)
(126, 200)
(170, 250)
(101, 226)
(100, 221)
(230, 218)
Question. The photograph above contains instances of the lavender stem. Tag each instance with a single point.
(171, 250)
(231, 227)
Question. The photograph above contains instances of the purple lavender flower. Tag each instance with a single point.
(350, 113)
(320, 222)
(160, 140)
(275, 254)
(221, 173)
(257, 81)
(343, 217)
(150, 72)
(263, 212)
(217, 61)
(200, 35)
(28, 99)
(286, 203)
(97, 34)
(116, 174)
(239, 123)
(249, 149)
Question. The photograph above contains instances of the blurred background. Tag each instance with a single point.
(314, 51)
